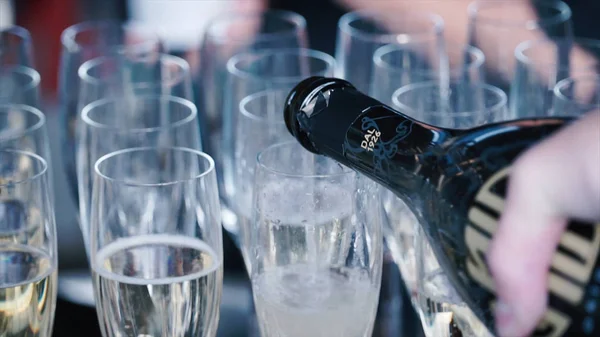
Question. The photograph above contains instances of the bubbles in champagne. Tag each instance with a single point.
(27, 291)
(158, 285)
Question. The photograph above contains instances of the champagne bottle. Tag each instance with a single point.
(455, 183)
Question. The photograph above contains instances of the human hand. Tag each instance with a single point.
(557, 180)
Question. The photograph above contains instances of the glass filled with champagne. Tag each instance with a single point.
(28, 255)
(315, 246)
(156, 245)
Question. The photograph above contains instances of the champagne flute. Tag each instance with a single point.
(316, 246)
(28, 252)
(232, 33)
(16, 47)
(82, 42)
(19, 85)
(116, 123)
(392, 70)
(260, 124)
(116, 75)
(360, 35)
(543, 63)
(497, 27)
(23, 128)
(576, 95)
(227, 35)
(458, 106)
(394, 66)
(255, 71)
(157, 250)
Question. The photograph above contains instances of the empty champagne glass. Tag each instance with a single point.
(393, 67)
(360, 34)
(458, 106)
(28, 252)
(260, 124)
(315, 246)
(16, 47)
(117, 123)
(83, 42)
(19, 85)
(232, 33)
(543, 63)
(157, 250)
(575, 96)
(256, 71)
(23, 128)
(116, 75)
(497, 27)
(392, 70)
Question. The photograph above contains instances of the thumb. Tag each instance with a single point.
(556, 180)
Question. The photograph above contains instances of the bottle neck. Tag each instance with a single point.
(370, 137)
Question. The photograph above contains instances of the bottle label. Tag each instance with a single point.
(574, 280)
(387, 142)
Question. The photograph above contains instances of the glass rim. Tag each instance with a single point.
(562, 84)
(24, 109)
(313, 54)
(246, 113)
(19, 31)
(87, 109)
(269, 168)
(41, 172)
(346, 20)
(502, 98)
(524, 46)
(199, 154)
(563, 15)
(297, 20)
(31, 73)
(69, 41)
(474, 52)
(86, 66)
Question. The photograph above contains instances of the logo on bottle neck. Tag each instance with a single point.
(571, 270)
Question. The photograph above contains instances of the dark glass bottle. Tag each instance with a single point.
(455, 183)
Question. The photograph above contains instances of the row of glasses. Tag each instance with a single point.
(28, 246)
(148, 197)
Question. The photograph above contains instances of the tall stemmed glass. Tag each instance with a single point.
(577, 95)
(116, 75)
(117, 123)
(394, 66)
(19, 85)
(16, 47)
(360, 35)
(230, 34)
(458, 106)
(23, 127)
(541, 65)
(260, 124)
(497, 27)
(316, 246)
(157, 250)
(392, 70)
(83, 42)
(252, 72)
(28, 252)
